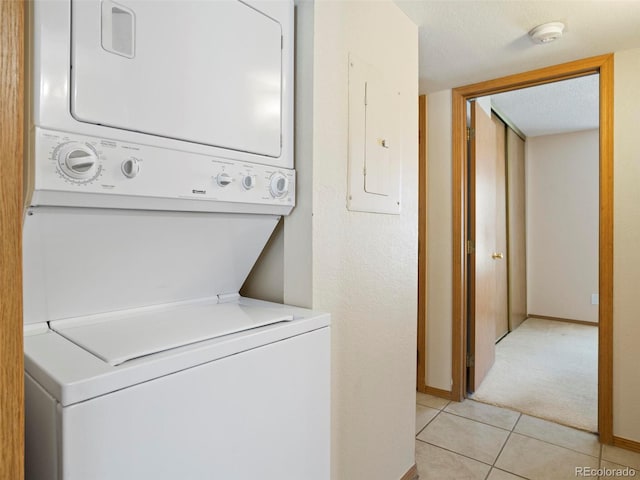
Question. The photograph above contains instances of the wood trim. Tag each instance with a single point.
(564, 71)
(422, 243)
(437, 392)
(459, 203)
(604, 66)
(605, 284)
(632, 445)
(565, 320)
(11, 151)
(411, 474)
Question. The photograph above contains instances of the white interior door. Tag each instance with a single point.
(208, 72)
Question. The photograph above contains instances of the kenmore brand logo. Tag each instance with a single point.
(201, 192)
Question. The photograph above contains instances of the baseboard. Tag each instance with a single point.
(559, 319)
(411, 474)
(632, 445)
(436, 392)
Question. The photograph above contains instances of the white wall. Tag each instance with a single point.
(360, 267)
(626, 236)
(364, 266)
(562, 224)
(626, 327)
(439, 242)
(484, 103)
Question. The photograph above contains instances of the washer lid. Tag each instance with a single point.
(117, 338)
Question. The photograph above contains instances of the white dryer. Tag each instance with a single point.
(160, 162)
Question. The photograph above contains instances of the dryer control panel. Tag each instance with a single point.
(80, 170)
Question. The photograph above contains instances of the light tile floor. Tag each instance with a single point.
(475, 441)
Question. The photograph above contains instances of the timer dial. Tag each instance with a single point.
(278, 185)
(78, 161)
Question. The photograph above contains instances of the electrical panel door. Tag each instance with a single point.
(375, 159)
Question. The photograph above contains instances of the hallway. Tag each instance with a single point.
(475, 441)
(547, 369)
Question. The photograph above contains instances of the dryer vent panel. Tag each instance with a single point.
(375, 166)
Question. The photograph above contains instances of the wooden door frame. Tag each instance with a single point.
(604, 66)
(11, 151)
(421, 384)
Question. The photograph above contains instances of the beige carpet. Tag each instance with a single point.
(547, 369)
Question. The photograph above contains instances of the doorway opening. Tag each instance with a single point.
(602, 65)
(533, 269)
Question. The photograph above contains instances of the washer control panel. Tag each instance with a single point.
(74, 163)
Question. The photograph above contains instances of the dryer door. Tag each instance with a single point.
(208, 72)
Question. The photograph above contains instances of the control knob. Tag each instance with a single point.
(278, 185)
(248, 182)
(78, 161)
(224, 179)
(130, 167)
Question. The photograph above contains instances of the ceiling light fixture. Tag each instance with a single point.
(547, 32)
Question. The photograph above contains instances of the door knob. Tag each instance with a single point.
(496, 256)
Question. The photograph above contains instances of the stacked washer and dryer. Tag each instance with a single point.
(160, 162)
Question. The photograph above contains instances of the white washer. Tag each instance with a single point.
(247, 405)
(160, 162)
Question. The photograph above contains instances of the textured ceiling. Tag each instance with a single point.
(560, 107)
(468, 41)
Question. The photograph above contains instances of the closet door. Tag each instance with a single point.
(502, 320)
(516, 215)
